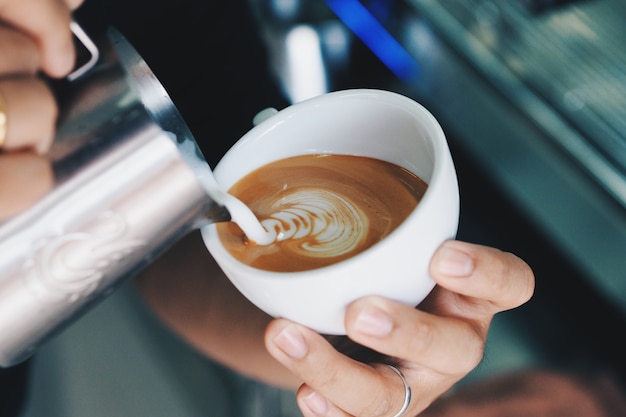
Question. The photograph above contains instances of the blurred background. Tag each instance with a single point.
(532, 97)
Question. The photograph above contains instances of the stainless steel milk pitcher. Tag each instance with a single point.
(128, 184)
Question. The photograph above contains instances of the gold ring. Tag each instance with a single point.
(3, 121)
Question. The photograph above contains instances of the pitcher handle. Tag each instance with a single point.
(90, 46)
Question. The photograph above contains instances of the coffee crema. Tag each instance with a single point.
(320, 209)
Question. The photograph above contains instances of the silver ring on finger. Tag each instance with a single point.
(407, 391)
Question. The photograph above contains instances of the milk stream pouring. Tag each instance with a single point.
(129, 181)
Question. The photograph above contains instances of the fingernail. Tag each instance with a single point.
(374, 322)
(454, 262)
(316, 403)
(292, 342)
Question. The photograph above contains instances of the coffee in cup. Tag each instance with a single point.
(352, 126)
(320, 209)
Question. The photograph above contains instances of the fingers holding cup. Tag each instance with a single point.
(447, 332)
(47, 23)
(19, 52)
(482, 280)
(25, 177)
(443, 345)
(27, 107)
(28, 114)
(334, 384)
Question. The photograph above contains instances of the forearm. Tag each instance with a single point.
(189, 293)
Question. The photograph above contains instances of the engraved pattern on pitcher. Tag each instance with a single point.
(71, 266)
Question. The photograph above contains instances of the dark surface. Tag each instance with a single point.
(208, 56)
(13, 389)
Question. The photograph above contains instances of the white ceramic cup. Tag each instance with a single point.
(362, 122)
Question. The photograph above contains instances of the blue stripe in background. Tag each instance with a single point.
(367, 28)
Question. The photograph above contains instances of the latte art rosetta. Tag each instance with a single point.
(320, 222)
(322, 209)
